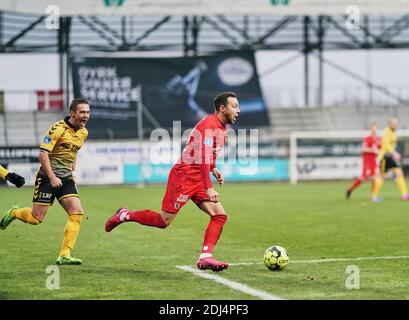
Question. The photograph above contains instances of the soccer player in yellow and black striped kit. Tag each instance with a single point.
(58, 153)
(390, 159)
(14, 178)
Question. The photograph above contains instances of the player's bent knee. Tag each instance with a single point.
(36, 221)
(76, 217)
(163, 226)
(37, 218)
(165, 219)
(164, 223)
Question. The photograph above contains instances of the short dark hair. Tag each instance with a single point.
(77, 101)
(221, 99)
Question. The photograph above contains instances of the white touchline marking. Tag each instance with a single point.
(231, 284)
(264, 295)
(326, 260)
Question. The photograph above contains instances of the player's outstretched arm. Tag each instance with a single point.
(15, 179)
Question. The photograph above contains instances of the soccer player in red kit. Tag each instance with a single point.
(190, 179)
(370, 166)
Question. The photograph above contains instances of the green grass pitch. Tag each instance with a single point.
(311, 220)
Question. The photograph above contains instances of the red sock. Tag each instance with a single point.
(147, 217)
(356, 183)
(213, 231)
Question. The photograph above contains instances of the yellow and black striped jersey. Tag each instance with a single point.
(389, 141)
(62, 143)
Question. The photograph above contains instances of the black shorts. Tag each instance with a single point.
(388, 162)
(44, 193)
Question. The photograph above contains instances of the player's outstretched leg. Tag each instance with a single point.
(116, 219)
(354, 185)
(23, 214)
(7, 218)
(146, 217)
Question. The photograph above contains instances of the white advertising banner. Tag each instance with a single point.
(26, 170)
(103, 162)
(328, 168)
(206, 7)
(124, 161)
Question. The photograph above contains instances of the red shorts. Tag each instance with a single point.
(179, 190)
(370, 170)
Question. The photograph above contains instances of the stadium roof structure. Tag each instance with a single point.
(330, 27)
(206, 7)
(193, 35)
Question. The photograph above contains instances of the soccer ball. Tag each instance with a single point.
(276, 258)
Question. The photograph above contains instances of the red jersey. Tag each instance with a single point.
(371, 142)
(199, 156)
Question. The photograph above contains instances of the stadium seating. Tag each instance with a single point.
(286, 120)
(25, 128)
(20, 128)
(44, 119)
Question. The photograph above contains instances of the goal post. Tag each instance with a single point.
(332, 155)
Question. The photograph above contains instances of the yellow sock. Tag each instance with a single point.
(71, 231)
(377, 187)
(400, 181)
(3, 172)
(25, 215)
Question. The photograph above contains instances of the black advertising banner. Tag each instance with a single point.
(18, 154)
(172, 89)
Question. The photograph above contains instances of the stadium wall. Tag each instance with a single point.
(132, 162)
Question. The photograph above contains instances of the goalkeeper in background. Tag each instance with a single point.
(12, 177)
(370, 167)
(390, 160)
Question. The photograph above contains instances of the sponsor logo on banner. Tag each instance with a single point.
(328, 168)
(280, 2)
(109, 3)
(235, 71)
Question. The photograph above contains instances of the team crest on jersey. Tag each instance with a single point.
(47, 140)
(208, 141)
